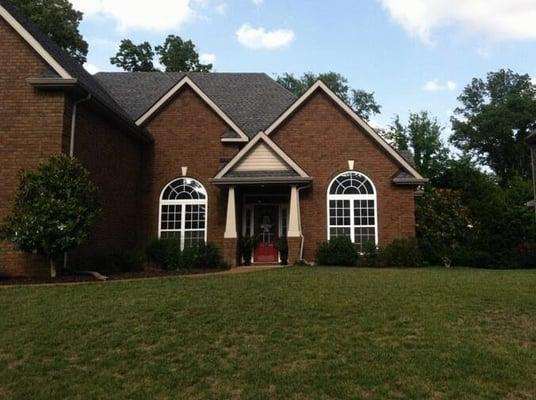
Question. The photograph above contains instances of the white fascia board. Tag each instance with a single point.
(377, 137)
(187, 81)
(34, 43)
(245, 150)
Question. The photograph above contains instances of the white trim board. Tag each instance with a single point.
(381, 141)
(245, 150)
(34, 44)
(187, 81)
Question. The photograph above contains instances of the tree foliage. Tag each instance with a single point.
(502, 223)
(176, 55)
(59, 20)
(443, 224)
(134, 57)
(422, 136)
(55, 208)
(361, 101)
(493, 120)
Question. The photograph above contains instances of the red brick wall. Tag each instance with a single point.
(114, 160)
(321, 139)
(187, 134)
(35, 125)
(31, 127)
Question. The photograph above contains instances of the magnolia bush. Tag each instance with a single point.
(55, 209)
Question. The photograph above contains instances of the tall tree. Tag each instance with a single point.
(134, 57)
(422, 136)
(362, 102)
(59, 20)
(178, 55)
(494, 118)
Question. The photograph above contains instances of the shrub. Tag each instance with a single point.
(167, 254)
(370, 255)
(55, 209)
(247, 244)
(210, 256)
(282, 246)
(338, 251)
(401, 253)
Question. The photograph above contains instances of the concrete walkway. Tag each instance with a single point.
(234, 271)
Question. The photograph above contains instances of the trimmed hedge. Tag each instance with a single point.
(167, 254)
(341, 251)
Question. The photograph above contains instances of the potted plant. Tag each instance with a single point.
(247, 243)
(282, 246)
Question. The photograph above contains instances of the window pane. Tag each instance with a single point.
(336, 232)
(195, 216)
(193, 238)
(364, 235)
(284, 223)
(171, 235)
(171, 217)
(184, 189)
(340, 210)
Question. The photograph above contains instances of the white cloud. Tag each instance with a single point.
(91, 68)
(156, 15)
(258, 3)
(495, 19)
(221, 8)
(259, 38)
(207, 58)
(436, 86)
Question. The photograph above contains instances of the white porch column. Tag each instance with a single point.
(294, 213)
(230, 223)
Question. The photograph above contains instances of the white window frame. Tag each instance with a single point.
(351, 198)
(183, 204)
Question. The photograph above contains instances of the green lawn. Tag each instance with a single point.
(295, 333)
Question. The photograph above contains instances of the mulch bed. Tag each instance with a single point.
(67, 278)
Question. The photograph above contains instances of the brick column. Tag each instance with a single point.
(230, 241)
(230, 251)
(294, 244)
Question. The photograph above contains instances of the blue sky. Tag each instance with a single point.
(414, 54)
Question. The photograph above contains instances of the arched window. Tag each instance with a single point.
(183, 212)
(352, 209)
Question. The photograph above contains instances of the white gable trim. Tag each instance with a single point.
(34, 44)
(187, 81)
(242, 153)
(381, 141)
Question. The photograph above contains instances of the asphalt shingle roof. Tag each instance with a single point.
(252, 100)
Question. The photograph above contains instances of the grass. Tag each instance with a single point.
(296, 333)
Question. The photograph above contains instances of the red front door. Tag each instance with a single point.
(266, 228)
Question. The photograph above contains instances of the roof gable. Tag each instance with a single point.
(319, 85)
(261, 156)
(186, 81)
(251, 100)
(61, 63)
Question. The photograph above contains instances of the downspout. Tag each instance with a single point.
(299, 219)
(71, 146)
(73, 122)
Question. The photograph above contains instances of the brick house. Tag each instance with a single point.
(197, 156)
